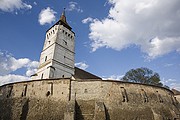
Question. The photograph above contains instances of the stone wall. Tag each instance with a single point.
(119, 100)
(68, 99)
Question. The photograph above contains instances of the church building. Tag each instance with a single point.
(61, 91)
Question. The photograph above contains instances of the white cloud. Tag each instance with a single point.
(87, 20)
(168, 65)
(143, 23)
(172, 83)
(81, 65)
(47, 16)
(9, 64)
(113, 77)
(11, 5)
(35, 3)
(30, 71)
(10, 78)
(73, 6)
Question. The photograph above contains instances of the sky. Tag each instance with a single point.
(112, 36)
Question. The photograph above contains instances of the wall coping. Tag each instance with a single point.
(86, 80)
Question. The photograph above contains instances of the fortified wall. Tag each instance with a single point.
(88, 99)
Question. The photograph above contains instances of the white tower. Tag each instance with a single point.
(57, 56)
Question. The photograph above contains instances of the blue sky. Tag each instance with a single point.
(112, 36)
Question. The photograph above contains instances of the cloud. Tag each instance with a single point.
(172, 83)
(35, 3)
(11, 5)
(113, 77)
(146, 24)
(30, 72)
(10, 64)
(168, 65)
(47, 15)
(81, 65)
(11, 78)
(73, 6)
(87, 20)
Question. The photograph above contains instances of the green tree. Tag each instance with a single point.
(142, 75)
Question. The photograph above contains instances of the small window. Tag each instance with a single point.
(50, 89)
(9, 91)
(85, 91)
(24, 90)
(144, 95)
(124, 95)
(62, 76)
(66, 33)
(42, 76)
(53, 31)
(65, 42)
(45, 58)
(48, 93)
(159, 97)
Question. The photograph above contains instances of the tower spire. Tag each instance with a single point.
(63, 16)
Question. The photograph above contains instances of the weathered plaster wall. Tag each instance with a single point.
(86, 99)
(125, 100)
(34, 100)
(178, 97)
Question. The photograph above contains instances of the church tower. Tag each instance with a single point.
(57, 56)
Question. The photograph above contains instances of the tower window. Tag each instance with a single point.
(65, 42)
(42, 76)
(53, 31)
(45, 58)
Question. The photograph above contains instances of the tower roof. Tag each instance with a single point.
(63, 21)
(63, 17)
